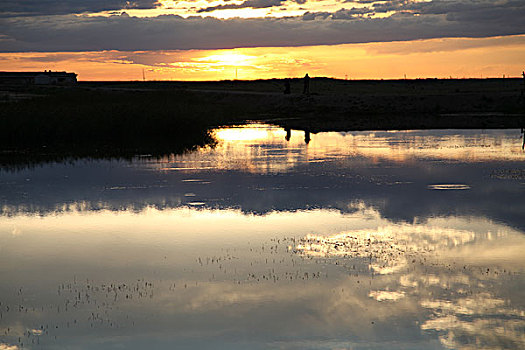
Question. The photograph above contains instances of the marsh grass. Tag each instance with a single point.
(107, 117)
(109, 122)
(123, 119)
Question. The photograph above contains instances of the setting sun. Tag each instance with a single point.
(228, 58)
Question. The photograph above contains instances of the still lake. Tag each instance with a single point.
(354, 240)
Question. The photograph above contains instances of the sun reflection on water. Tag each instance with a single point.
(261, 148)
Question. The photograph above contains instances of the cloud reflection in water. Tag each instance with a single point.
(462, 293)
(195, 277)
(263, 243)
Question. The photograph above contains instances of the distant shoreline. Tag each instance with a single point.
(346, 105)
(158, 117)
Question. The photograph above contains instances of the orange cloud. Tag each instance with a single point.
(456, 57)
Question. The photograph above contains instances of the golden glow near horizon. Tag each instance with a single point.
(441, 58)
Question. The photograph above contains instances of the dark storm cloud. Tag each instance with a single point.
(479, 9)
(436, 19)
(351, 13)
(256, 4)
(360, 2)
(62, 7)
(310, 16)
(342, 14)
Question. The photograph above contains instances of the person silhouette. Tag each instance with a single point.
(288, 134)
(523, 88)
(307, 136)
(306, 89)
(287, 89)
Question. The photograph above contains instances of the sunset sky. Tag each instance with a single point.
(251, 39)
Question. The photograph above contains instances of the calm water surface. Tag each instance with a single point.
(359, 240)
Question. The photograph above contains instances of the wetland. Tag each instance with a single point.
(268, 237)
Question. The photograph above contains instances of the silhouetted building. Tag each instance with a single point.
(37, 78)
